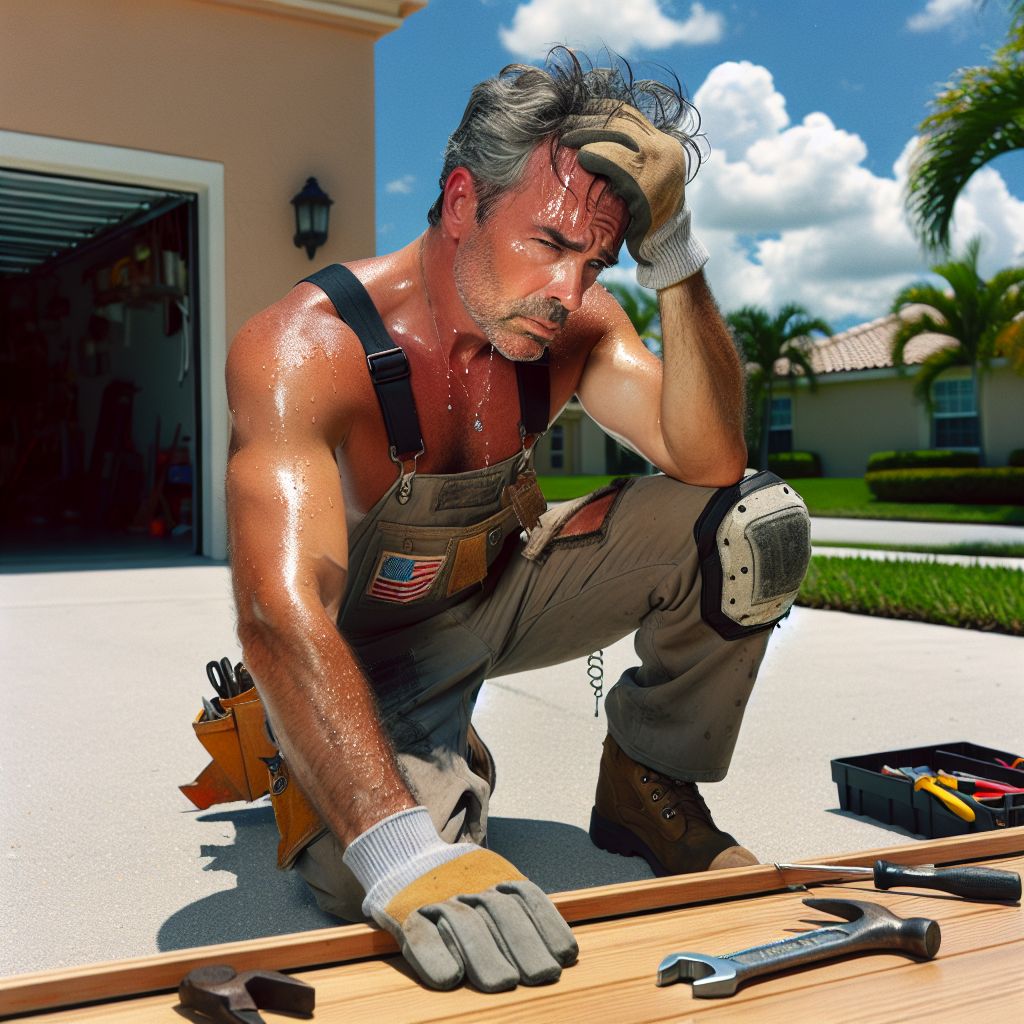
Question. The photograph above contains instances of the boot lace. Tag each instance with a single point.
(679, 795)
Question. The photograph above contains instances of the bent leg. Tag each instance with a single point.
(596, 578)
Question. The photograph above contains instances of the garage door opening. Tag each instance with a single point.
(99, 361)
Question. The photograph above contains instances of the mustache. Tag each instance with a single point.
(542, 309)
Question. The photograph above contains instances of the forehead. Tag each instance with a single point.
(561, 195)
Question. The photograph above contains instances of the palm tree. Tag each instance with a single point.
(763, 340)
(641, 306)
(981, 318)
(975, 119)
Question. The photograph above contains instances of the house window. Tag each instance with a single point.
(557, 439)
(954, 416)
(780, 431)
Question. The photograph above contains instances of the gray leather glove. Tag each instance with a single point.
(647, 169)
(458, 911)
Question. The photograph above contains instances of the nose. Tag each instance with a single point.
(567, 285)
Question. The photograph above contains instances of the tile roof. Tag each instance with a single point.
(868, 347)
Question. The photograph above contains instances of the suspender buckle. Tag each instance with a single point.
(404, 478)
(387, 366)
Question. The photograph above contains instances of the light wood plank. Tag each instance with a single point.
(977, 971)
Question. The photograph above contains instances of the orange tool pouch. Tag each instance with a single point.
(247, 765)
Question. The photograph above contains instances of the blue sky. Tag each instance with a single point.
(808, 108)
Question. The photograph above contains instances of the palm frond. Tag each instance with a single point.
(976, 119)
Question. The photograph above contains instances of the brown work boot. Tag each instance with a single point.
(640, 813)
(479, 758)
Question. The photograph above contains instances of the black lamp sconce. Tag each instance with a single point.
(312, 211)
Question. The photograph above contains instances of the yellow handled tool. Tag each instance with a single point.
(922, 779)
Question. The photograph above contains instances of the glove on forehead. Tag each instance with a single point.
(646, 167)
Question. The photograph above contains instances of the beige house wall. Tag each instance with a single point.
(1002, 400)
(242, 99)
(845, 421)
(272, 98)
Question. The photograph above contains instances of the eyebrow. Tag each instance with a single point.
(609, 258)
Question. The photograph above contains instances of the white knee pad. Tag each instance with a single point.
(754, 545)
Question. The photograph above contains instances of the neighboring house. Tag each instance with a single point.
(167, 138)
(862, 404)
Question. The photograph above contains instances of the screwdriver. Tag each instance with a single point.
(971, 883)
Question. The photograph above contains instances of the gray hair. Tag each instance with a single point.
(509, 115)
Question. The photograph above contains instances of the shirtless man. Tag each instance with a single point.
(379, 580)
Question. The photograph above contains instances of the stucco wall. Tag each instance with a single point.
(845, 422)
(272, 98)
(1002, 399)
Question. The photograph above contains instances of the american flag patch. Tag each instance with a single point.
(404, 578)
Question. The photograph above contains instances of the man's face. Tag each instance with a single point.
(526, 267)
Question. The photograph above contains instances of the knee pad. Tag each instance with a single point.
(754, 545)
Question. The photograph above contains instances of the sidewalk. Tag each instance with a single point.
(898, 531)
(103, 671)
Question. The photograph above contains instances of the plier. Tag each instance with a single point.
(923, 778)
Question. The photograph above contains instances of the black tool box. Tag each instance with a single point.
(890, 799)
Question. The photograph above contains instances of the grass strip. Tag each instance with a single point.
(981, 548)
(988, 598)
(849, 497)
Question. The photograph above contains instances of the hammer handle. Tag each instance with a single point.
(970, 882)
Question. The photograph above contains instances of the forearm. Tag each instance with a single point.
(702, 397)
(325, 720)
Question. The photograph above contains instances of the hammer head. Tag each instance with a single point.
(873, 927)
(224, 995)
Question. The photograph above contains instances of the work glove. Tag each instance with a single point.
(457, 911)
(647, 170)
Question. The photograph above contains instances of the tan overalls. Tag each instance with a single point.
(427, 640)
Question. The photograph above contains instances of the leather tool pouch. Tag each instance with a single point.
(247, 765)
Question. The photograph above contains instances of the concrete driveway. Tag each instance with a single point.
(103, 671)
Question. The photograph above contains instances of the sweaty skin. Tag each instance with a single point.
(309, 452)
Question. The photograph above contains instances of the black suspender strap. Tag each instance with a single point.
(389, 367)
(534, 396)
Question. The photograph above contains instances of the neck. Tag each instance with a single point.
(456, 333)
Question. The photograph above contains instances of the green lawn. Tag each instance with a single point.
(829, 496)
(849, 496)
(972, 597)
(980, 549)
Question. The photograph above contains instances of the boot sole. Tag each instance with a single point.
(608, 836)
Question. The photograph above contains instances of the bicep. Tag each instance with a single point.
(620, 388)
(286, 514)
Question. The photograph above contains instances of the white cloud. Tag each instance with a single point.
(623, 25)
(791, 214)
(401, 186)
(938, 14)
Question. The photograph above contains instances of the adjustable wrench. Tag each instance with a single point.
(868, 927)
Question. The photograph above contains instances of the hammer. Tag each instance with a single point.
(868, 928)
(223, 995)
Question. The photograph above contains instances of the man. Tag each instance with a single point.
(386, 549)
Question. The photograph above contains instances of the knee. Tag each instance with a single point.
(754, 545)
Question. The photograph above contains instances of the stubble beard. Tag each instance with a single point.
(476, 282)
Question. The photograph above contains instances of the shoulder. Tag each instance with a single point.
(294, 363)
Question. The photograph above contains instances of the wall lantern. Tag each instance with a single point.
(312, 209)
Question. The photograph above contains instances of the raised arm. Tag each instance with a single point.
(686, 415)
(289, 561)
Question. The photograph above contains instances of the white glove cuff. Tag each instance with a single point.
(673, 253)
(394, 853)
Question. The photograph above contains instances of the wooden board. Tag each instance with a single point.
(976, 976)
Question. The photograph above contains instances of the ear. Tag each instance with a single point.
(458, 207)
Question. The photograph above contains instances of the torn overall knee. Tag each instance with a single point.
(754, 544)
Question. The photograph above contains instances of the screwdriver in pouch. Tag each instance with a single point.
(970, 882)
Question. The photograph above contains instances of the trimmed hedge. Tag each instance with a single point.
(1002, 486)
(927, 458)
(795, 464)
(1016, 457)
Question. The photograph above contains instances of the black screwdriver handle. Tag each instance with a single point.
(969, 882)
